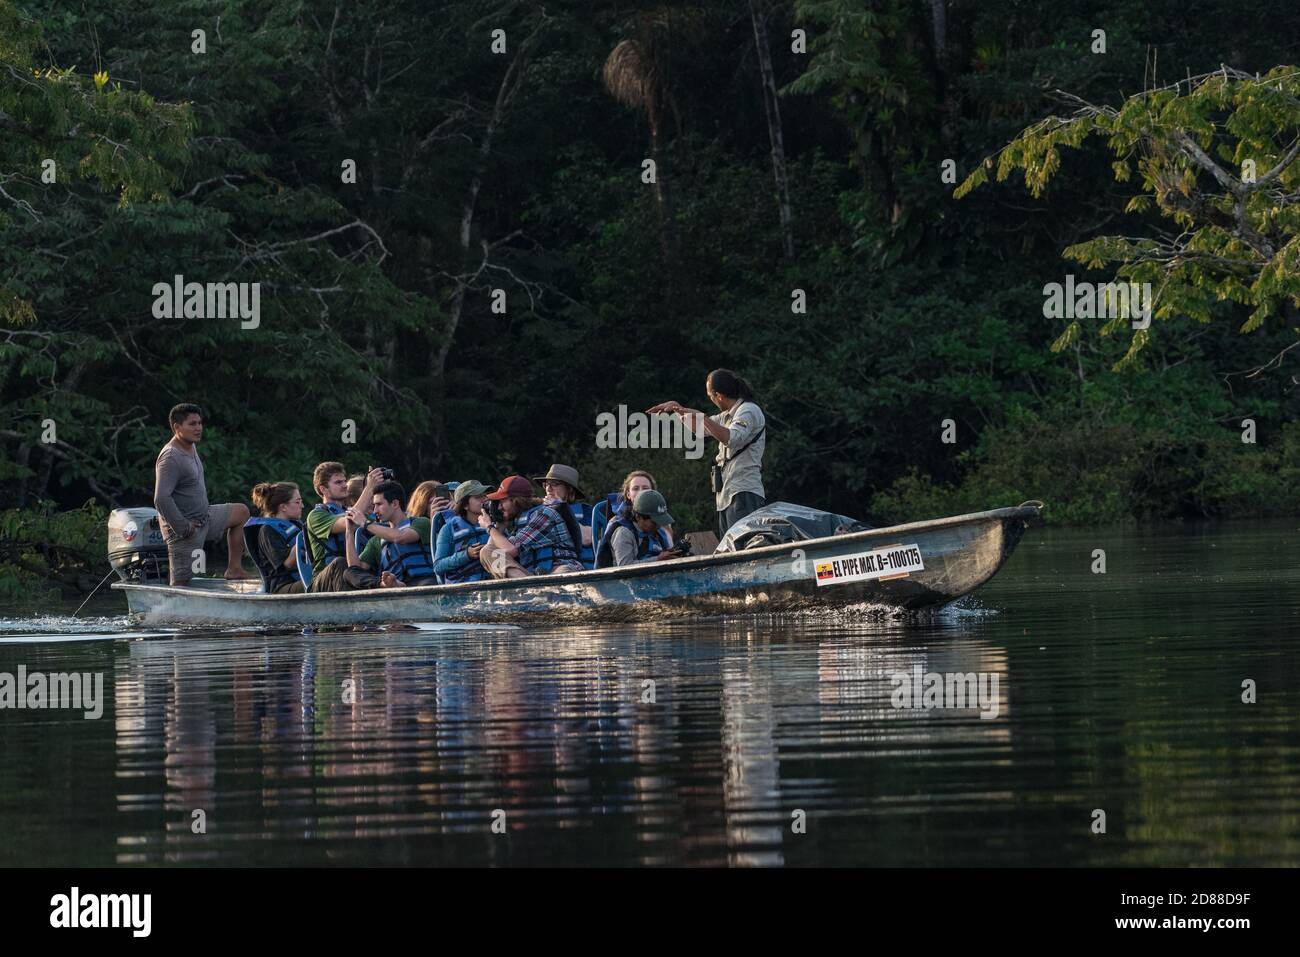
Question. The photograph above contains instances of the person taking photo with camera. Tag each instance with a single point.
(326, 522)
(527, 536)
(638, 534)
(398, 547)
(396, 554)
(461, 540)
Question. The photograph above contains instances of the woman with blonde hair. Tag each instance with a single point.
(424, 502)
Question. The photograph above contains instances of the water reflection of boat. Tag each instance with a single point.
(913, 566)
(745, 743)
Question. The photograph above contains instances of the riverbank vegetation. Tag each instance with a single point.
(461, 262)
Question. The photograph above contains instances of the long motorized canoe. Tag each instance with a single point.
(914, 566)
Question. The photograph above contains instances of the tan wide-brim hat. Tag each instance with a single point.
(562, 473)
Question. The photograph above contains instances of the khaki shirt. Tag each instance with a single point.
(744, 472)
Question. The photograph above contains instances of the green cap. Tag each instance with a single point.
(652, 505)
(465, 489)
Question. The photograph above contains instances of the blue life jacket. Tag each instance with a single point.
(609, 506)
(303, 555)
(260, 525)
(586, 516)
(463, 536)
(542, 559)
(647, 543)
(408, 560)
(437, 522)
(362, 536)
(333, 546)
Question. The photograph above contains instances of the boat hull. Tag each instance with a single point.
(959, 554)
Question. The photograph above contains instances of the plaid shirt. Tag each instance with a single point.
(545, 530)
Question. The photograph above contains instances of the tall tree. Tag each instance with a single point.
(77, 153)
(511, 80)
(871, 58)
(758, 14)
(638, 73)
(939, 26)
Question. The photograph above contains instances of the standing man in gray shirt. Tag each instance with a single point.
(181, 497)
(741, 431)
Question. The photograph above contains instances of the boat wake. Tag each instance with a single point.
(968, 607)
(51, 628)
(860, 612)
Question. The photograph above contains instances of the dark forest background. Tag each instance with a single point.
(522, 171)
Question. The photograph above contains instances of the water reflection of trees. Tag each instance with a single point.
(398, 748)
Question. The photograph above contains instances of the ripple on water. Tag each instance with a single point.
(53, 628)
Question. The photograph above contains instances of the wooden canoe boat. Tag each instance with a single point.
(914, 566)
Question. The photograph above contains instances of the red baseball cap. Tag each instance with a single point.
(513, 486)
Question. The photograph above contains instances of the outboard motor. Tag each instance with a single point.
(780, 523)
(136, 549)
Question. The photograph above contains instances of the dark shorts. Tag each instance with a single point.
(741, 505)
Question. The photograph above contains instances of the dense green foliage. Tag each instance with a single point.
(1216, 155)
(521, 170)
(43, 551)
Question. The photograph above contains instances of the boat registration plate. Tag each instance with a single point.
(892, 561)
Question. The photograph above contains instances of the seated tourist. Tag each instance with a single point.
(620, 502)
(638, 534)
(396, 554)
(326, 522)
(425, 501)
(271, 535)
(356, 485)
(456, 558)
(560, 485)
(399, 543)
(526, 536)
(440, 515)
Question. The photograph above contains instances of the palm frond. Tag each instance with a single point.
(629, 75)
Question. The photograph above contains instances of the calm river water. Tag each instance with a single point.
(760, 742)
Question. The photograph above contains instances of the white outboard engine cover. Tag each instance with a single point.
(136, 549)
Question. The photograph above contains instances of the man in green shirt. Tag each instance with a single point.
(398, 548)
(370, 555)
(325, 522)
